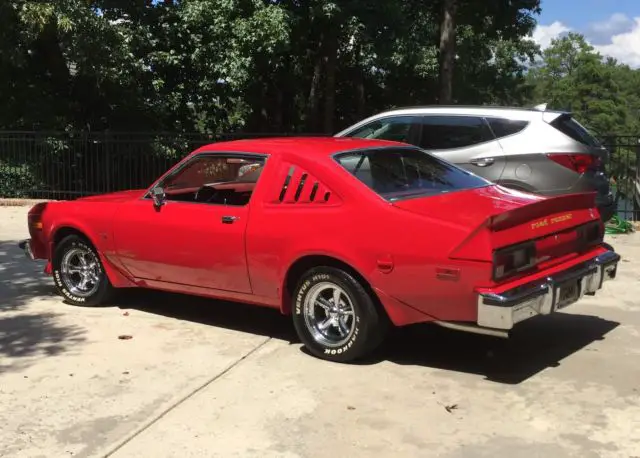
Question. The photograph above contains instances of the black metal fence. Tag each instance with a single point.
(61, 165)
(66, 165)
(623, 169)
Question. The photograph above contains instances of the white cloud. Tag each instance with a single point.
(601, 32)
(618, 37)
(625, 46)
(543, 34)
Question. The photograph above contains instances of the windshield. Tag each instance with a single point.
(396, 173)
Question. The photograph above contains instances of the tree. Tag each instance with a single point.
(253, 65)
(573, 76)
(447, 50)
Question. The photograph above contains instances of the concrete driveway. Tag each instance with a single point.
(204, 378)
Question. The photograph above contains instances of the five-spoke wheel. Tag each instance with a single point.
(329, 314)
(78, 273)
(335, 316)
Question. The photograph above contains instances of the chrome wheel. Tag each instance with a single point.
(329, 314)
(80, 272)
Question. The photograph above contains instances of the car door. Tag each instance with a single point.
(465, 140)
(197, 237)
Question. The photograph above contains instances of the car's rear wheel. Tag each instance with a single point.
(78, 273)
(335, 317)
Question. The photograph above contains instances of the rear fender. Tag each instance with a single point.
(399, 313)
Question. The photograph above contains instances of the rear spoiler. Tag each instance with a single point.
(545, 216)
(542, 208)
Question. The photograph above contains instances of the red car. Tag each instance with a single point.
(348, 236)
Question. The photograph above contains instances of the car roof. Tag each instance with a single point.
(469, 109)
(320, 146)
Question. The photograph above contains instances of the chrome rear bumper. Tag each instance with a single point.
(545, 296)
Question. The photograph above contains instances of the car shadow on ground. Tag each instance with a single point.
(25, 329)
(540, 343)
(536, 345)
(235, 316)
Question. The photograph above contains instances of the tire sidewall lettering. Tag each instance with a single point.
(298, 310)
(57, 276)
(302, 291)
(347, 346)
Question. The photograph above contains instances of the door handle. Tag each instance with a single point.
(229, 219)
(483, 161)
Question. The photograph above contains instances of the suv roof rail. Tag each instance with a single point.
(476, 107)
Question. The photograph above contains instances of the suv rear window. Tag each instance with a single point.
(396, 173)
(572, 128)
(503, 127)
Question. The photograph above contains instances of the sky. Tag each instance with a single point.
(611, 26)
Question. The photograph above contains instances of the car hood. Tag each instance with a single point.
(120, 196)
(494, 217)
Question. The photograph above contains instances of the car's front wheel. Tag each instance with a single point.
(78, 273)
(335, 317)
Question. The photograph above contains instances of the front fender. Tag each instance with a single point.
(117, 276)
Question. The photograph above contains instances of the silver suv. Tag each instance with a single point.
(530, 149)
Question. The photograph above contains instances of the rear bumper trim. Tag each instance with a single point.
(542, 297)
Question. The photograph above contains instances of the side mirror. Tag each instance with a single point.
(158, 195)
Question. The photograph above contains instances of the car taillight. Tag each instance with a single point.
(577, 162)
(511, 260)
(591, 233)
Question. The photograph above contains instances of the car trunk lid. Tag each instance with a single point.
(544, 230)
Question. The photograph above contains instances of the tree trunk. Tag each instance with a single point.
(360, 91)
(447, 51)
(278, 108)
(48, 52)
(330, 81)
(313, 101)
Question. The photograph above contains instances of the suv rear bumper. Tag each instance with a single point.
(502, 311)
(606, 206)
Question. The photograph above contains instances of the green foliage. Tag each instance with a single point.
(253, 65)
(602, 93)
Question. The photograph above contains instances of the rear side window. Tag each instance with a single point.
(405, 129)
(396, 173)
(503, 127)
(572, 128)
(448, 132)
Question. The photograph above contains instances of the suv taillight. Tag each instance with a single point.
(577, 162)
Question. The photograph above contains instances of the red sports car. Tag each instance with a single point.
(348, 236)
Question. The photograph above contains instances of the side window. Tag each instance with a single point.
(448, 132)
(503, 127)
(398, 128)
(215, 179)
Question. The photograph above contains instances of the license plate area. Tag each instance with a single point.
(567, 294)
